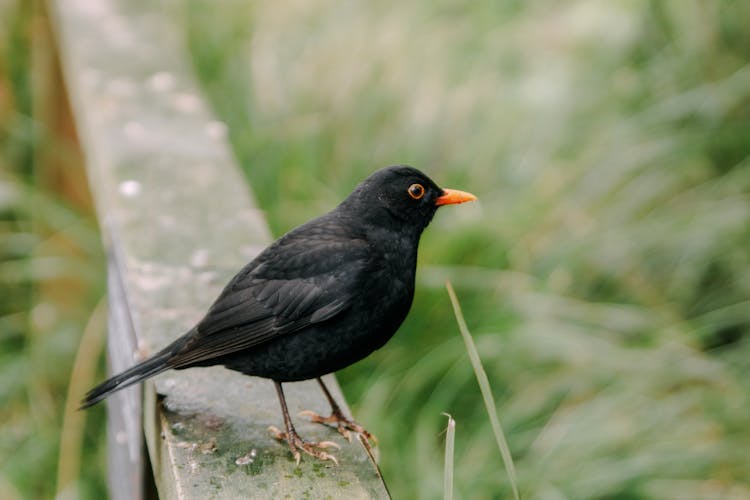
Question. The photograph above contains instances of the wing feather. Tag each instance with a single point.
(300, 280)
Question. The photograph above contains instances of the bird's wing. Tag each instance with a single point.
(296, 282)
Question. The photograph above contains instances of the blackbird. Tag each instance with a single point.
(323, 296)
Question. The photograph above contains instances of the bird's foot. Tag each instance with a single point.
(297, 444)
(343, 425)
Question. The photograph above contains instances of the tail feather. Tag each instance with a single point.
(133, 375)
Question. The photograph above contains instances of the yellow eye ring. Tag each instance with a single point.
(416, 191)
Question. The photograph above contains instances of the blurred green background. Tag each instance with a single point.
(605, 273)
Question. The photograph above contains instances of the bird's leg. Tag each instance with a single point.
(296, 443)
(343, 424)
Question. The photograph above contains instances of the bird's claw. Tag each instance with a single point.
(297, 444)
(314, 417)
(343, 425)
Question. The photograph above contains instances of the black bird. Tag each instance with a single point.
(318, 299)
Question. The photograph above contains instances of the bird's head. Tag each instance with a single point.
(401, 197)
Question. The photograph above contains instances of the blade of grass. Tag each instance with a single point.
(450, 444)
(484, 387)
(82, 376)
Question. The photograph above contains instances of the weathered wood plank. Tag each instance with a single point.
(178, 220)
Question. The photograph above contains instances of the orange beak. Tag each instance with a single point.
(453, 196)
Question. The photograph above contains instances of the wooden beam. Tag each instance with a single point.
(178, 220)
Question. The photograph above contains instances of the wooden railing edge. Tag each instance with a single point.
(178, 220)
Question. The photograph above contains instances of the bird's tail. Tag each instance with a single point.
(143, 370)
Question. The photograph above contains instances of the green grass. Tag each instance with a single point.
(604, 272)
(51, 276)
(605, 268)
(486, 389)
(450, 447)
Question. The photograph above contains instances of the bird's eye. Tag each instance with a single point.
(416, 191)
